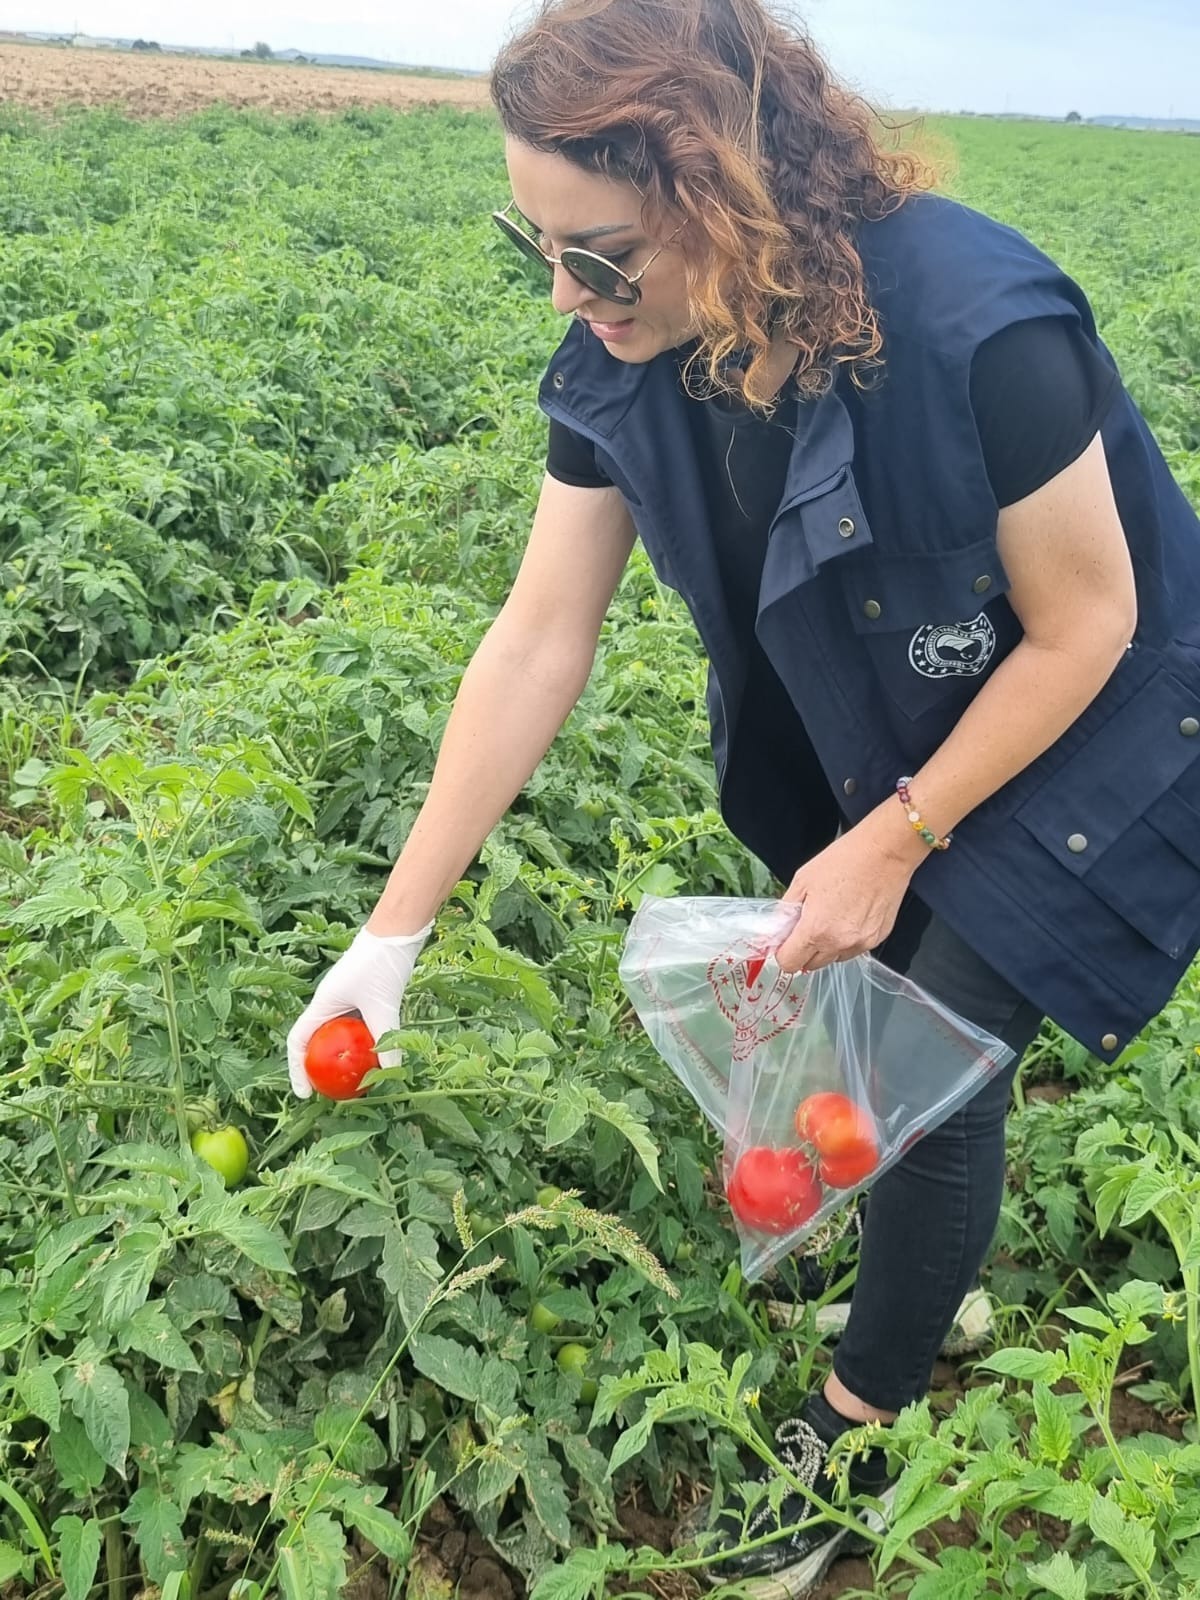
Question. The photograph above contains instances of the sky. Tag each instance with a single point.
(1097, 57)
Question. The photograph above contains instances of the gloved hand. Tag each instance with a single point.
(369, 978)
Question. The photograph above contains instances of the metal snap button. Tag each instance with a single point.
(558, 380)
(1189, 727)
(873, 610)
(1109, 1042)
(982, 584)
(850, 786)
(846, 527)
(1077, 843)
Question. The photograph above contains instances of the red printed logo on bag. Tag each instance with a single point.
(758, 1013)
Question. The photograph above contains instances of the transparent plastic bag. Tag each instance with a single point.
(818, 1082)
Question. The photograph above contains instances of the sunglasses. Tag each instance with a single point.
(601, 276)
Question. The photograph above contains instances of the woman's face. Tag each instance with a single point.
(568, 206)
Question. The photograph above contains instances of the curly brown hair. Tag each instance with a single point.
(730, 124)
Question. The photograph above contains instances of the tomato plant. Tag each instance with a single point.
(194, 818)
(773, 1191)
(843, 1135)
(340, 1054)
(225, 1151)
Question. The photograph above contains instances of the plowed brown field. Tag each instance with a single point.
(48, 77)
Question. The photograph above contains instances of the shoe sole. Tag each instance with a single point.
(793, 1583)
(974, 1324)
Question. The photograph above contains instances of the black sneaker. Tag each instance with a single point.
(829, 1263)
(830, 1259)
(792, 1565)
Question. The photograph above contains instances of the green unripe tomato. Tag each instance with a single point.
(548, 1194)
(481, 1223)
(573, 1358)
(685, 1250)
(225, 1151)
(593, 807)
(542, 1319)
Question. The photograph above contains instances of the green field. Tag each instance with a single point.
(268, 452)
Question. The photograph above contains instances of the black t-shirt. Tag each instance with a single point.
(1039, 391)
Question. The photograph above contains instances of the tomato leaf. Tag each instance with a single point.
(225, 1216)
(1132, 1540)
(358, 1447)
(78, 1554)
(1147, 1190)
(447, 1115)
(933, 1503)
(618, 1115)
(11, 1561)
(313, 1565)
(568, 1113)
(1047, 1365)
(546, 1488)
(410, 1268)
(128, 1277)
(452, 1366)
(632, 1442)
(1052, 1434)
(1061, 1576)
(158, 1530)
(97, 1396)
(578, 1578)
(77, 1461)
(961, 1575)
(152, 1332)
(359, 1505)
(38, 1388)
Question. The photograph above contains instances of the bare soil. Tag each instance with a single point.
(50, 78)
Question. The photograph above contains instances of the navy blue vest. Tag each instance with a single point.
(882, 609)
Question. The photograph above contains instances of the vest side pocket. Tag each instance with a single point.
(1123, 814)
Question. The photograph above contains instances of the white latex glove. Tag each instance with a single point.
(369, 978)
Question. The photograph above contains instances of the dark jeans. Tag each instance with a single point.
(930, 1219)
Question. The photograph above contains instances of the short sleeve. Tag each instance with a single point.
(1039, 391)
(572, 459)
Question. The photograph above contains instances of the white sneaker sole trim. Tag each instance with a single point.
(793, 1583)
(974, 1323)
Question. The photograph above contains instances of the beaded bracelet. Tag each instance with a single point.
(914, 816)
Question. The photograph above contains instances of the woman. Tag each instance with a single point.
(949, 593)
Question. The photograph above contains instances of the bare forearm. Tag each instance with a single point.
(513, 699)
(1030, 701)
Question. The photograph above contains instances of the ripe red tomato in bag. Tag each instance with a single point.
(773, 1191)
(340, 1054)
(843, 1135)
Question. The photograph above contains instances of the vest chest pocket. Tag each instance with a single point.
(1123, 813)
(930, 624)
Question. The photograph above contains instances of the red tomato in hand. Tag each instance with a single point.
(339, 1056)
(843, 1135)
(773, 1191)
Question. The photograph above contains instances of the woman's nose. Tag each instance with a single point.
(567, 293)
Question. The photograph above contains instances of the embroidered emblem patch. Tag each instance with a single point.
(952, 649)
